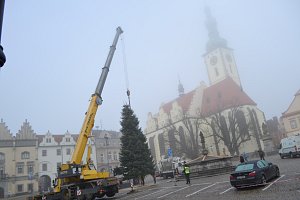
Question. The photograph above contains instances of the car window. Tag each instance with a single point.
(244, 167)
(261, 164)
(265, 162)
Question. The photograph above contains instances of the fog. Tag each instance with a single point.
(55, 51)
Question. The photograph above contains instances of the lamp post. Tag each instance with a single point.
(2, 55)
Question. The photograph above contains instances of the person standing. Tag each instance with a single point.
(245, 155)
(186, 171)
(242, 160)
(261, 154)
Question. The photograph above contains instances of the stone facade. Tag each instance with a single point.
(28, 162)
(290, 119)
(18, 161)
(107, 149)
(210, 110)
(53, 151)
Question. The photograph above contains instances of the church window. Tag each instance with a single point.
(172, 141)
(161, 142)
(152, 147)
(68, 140)
(182, 138)
(48, 140)
(216, 71)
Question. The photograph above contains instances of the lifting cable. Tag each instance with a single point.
(125, 70)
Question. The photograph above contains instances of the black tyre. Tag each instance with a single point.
(101, 195)
(281, 156)
(110, 194)
(277, 172)
(65, 194)
(263, 180)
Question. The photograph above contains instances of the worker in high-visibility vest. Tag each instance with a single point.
(186, 171)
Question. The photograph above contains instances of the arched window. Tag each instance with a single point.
(152, 147)
(172, 142)
(161, 142)
(183, 143)
(242, 124)
(25, 155)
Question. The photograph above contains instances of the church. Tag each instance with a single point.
(218, 119)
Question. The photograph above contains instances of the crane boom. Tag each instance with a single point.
(96, 100)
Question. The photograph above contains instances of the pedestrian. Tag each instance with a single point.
(186, 171)
(261, 154)
(245, 156)
(242, 160)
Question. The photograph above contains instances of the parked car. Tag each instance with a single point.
(255, 172)
(289, 147)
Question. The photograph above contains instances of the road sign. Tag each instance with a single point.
(170, 153)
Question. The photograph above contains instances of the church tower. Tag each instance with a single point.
(219, 59)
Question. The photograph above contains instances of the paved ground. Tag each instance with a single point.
(287, 186)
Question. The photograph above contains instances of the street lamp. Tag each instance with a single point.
(2, 55)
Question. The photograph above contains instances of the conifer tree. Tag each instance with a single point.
(135, 156)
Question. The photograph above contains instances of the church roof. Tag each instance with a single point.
(293, 108)
(223, 95)
(184, 101)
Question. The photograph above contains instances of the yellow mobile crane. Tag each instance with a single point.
(81, 181)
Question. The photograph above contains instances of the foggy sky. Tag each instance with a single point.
(55, 51)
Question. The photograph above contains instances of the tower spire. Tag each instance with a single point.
(180, 88)
(215, 40)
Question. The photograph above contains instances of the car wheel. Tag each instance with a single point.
(263, 180)
(237, 188)
(281, 156)
(277, 172)
(110, 194)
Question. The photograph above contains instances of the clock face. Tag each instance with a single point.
(228, 57)
(213, 60)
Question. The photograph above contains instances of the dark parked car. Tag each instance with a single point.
(252, 173)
